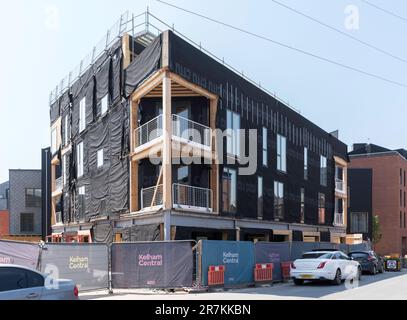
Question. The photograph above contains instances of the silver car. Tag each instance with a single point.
(20, 283)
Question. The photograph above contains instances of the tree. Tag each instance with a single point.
(376, 232)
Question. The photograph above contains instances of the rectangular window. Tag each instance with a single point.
(26, 223)
(323, 172)
(278, 201)
(229, 187)
(233, 138)
(54, 140)
(401, 220)
(64, 170)
(100, 158)
(339, 217)
(404, 220)
(265, 148)
(33, 198)
(281, 153)
(260, 198)
(82, 115)
(359, 222)
(401, 198)
(66, 130)
(302, 213)
(104, 104)
(305, 163)
(81, 202)
(79, 160)
(321, 208)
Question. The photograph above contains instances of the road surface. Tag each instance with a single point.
(388, 286)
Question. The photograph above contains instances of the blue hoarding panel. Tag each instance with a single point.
(299, 248)
(275, 253)
(237, 257)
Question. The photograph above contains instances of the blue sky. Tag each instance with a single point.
(37, 53)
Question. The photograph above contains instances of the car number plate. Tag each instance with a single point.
(306, 276)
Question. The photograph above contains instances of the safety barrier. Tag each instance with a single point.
(285, 270)
(19, 253)
(86, 264)
(237, 257)
(156, 265)
(162, 265)
(216, 275)
(263, 272)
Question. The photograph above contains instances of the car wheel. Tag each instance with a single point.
(298, 282)
(338, 278)
(374, 270)
(359, 273)
(381, 269)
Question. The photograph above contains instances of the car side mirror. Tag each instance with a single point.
(351, 258)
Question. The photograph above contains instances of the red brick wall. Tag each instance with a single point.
(386, 199)
(4, 223)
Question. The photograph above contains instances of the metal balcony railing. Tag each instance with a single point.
(339, 185)
(192, 198)
(191, 131)
(58, 184)
(152, 197)
(148, 132)
(339, 219)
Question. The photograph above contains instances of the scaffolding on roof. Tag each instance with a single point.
(144, 28)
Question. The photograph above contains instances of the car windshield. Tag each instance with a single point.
(358, 255)
(317, 255)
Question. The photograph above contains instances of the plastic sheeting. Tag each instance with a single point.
(152, 265)
(103, 233)
(276, 253)
(237, 257)
(143, 65)
(19, 253)
(141, 233)
(86, 264)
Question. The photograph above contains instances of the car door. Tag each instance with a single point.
(35, 285)
(14, 285)
(347, 265)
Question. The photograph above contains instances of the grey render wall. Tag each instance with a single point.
(3, 200)
(19, 181)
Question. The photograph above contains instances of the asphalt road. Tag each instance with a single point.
(388, 286)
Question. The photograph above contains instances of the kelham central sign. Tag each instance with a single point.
(148, 260)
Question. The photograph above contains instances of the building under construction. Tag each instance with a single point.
(120, 123)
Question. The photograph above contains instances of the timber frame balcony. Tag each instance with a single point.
(184, 132)
(168, 137)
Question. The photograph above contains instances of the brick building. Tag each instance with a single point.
(25, 202)
(389, 190)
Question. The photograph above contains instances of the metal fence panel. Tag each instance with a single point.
(152, 265)
(237, 257)
(86, 264)
(276, 253)
(299, 248)
(19, 253)
(328, 246)
(344, 247)
(359, 247)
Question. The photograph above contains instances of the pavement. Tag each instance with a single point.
(387, 286)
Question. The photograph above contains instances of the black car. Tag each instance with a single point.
(369, 260)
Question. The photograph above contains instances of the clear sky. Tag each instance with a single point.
(37, 51)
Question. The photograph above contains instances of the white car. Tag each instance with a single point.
(20, 283)
(325, 265)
